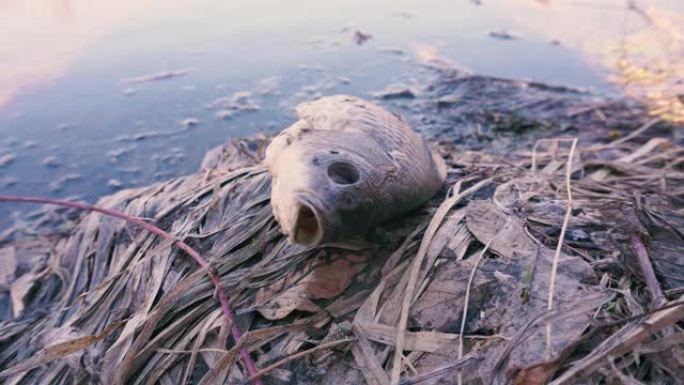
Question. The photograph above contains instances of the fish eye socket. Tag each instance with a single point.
(343, 173)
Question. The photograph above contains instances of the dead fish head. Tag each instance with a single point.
(346, 166)
(318, 192)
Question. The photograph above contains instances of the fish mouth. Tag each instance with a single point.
(308, 224)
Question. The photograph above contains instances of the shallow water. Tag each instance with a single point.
(99, 95)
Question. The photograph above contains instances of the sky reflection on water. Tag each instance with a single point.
(71, 125)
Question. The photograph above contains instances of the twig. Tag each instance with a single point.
(590, 108)
(633, 6)
(636, 132)
(295, 356)
(439, 372)
(415, 270)
(540, 141)
(225, 305)
(467, 300)
(238, 146)
(208, 350)
(646, 266)
(408, 363)
(556, 257)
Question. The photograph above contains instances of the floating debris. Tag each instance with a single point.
(224, 114)
(140, 136)
(156, 76)
(310, 67)
(360, 37)
(116, 154)
(189, 122)
(51, 161)
(392, 50)
(394, 92)
(268, 86)
(7, 159)
(502, 34)
(30, 144)
(174, 156)
(130, 91)
(114, 184)
(130, 170)
(227, 107)
(59, 183)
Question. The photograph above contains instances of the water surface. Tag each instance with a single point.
(99, 95)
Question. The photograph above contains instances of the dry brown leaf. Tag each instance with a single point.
(534, 375)
(325, 279)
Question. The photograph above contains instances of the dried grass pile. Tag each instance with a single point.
(561, 263)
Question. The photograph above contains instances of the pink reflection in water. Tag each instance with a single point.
(41, 38)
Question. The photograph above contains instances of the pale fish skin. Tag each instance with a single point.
(346, 166)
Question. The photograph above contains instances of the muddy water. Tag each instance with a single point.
(100, 95)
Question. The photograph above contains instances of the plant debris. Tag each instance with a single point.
(359, 37)
(154, 77)
(51, 162)
(457, 291)
(189, 122)
(502, 35)
(227, 107)
(394, 92)
(6, 159)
